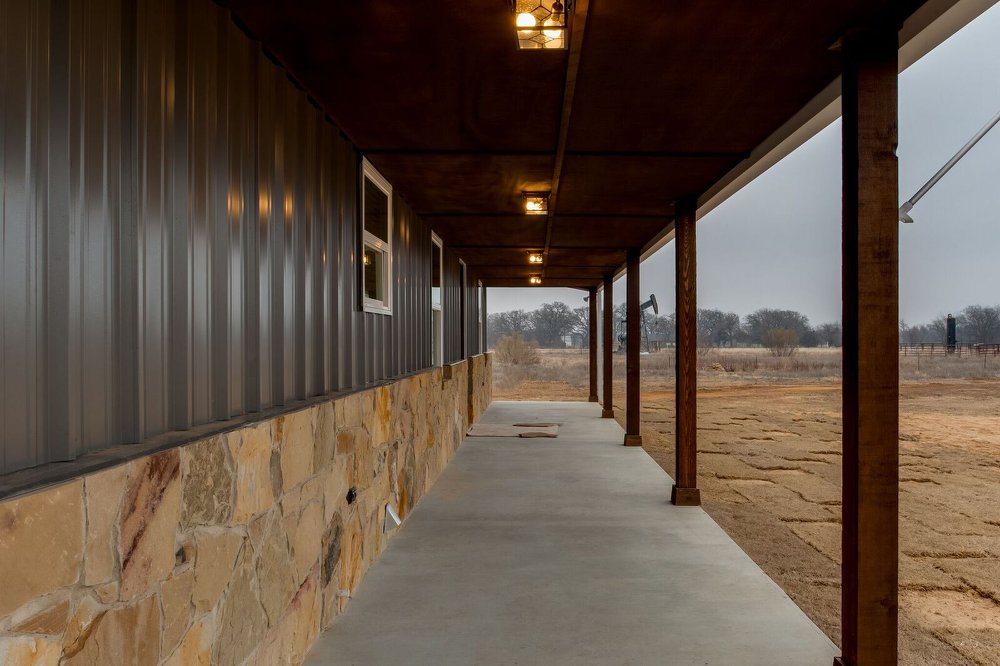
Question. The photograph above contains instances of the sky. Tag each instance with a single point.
(776, 243)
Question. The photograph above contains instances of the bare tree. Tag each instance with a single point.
(551, 323)
(663, 327)
(979, 324)
(781, 341)
(502, 324)
(760, 322)
(717, 328)
(937, 330)
(923, 333)
(581, 324)
(830, 334)
(515, 350)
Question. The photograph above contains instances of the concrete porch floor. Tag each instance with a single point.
(565, 551)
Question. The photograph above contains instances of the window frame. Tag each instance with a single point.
(368, 239)
(437, 335)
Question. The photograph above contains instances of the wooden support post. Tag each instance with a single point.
(592, 342)
(632, 341)
(870, 574)
(685, 491)
(608, 305)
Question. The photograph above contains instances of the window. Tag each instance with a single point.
(437, 323)
(376, 214)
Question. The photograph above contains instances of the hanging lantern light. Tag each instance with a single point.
(536, 203)
(541, 24)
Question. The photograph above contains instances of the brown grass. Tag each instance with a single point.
(770, 473)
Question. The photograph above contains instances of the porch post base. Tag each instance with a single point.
(593, 398)
(633, 440)
(607, 414)
(685, 496)
(839, 661)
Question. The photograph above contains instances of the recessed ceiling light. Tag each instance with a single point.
(535, 258)
(535, 280)
(536, 203)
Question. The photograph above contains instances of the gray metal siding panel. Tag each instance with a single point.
(179, 233)
(24, 61)
(94, 198)
(452, 297)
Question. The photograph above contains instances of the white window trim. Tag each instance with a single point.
(479, 301)
(383, 307)
(438, 336)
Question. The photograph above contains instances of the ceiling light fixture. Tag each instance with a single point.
(536, 203)
(535, 258)
(535, 280)
(541, 24)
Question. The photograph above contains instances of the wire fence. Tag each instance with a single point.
(960, 350)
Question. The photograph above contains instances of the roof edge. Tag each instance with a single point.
(929, 26)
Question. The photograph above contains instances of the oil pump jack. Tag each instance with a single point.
(621, 326)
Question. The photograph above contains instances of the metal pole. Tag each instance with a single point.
(905, 209)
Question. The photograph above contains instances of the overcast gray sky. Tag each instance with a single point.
(776, 243)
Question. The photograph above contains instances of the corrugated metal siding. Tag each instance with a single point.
(473, 337)
(451, 298)
(461, 311)
(179, 236)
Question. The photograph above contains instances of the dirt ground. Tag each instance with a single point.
(770, 474)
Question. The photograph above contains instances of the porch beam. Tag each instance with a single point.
(608, 308)
(592, 342)
(580, 12)
(870, 574)
(465, 152)
(632, 340)
(685, 490)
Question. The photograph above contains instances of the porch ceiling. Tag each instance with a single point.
(668, 99)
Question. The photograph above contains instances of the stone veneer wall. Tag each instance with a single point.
(234, 549)
(480, 385)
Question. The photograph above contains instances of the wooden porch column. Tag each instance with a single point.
(869, 612)
(592, 344)
(633, 339)
(685, 491)
(608, 306)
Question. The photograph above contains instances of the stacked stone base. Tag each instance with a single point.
(235, 549)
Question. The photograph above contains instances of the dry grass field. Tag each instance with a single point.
(770, 473)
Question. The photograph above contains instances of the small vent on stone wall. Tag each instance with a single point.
(184, 554)
(352, 495)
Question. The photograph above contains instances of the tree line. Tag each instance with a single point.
(548, 326)
(553, 324)
(976, 324)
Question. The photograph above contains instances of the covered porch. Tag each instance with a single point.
(246, 252)
(565, 551)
